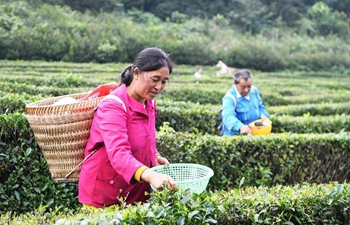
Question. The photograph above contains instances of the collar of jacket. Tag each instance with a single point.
(238, 95)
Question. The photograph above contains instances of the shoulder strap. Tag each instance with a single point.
(233, 98)
(115, 98)
(121, 101)
(101, 144)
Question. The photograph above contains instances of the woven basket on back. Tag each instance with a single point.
(62, 132)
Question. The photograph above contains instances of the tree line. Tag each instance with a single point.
(257, 34)
(316, 17)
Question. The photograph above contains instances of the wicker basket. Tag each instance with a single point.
(187, 175)
(62, 132)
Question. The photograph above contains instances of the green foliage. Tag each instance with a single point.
(204, 119)
(325, 22)
(25, 179)
(301, 102)
(194, 48)
(321, 109)
(90, 5)
(261, 35)
(262, 160)
(257, 52)
(26, 182)
(105, 52)
(299, 204)
(11, 103)
(252, 22)
(311, 124)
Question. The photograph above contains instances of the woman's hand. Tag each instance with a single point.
(162, 161)
(157, 179)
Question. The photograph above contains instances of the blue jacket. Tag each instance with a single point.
(237, 112)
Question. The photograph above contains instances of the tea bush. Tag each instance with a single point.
(276, 159)
(299, 204)
(309, 143)
(25, 181)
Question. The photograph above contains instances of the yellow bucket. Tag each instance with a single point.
(259, 127)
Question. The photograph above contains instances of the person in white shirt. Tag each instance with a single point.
(198, 74)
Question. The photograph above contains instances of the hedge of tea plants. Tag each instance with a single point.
(299, 204)
(309, 141)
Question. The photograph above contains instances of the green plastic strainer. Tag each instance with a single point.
(187, 175)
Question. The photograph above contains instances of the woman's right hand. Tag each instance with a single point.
(157, 179)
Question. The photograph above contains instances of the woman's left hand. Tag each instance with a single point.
(162, 161)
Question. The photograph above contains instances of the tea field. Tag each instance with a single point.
(309, 143)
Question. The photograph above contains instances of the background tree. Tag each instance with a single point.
(249, 16)
(260, 34)
(289, 11)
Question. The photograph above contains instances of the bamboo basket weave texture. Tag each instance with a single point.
(62, 132)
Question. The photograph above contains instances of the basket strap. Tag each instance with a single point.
(86, 158)
(115, 98)
(101, 144)
(121, 101)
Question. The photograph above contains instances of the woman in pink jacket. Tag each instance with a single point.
(125, 123)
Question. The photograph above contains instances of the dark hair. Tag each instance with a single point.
(242, 74)
(149, 59)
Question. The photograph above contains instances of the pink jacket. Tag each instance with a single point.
(129, 142)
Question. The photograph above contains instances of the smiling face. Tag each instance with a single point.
(148, 84)
(244, 86)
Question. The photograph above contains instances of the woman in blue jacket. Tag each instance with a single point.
(241, 105)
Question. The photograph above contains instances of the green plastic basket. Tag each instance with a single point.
(187, 176)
